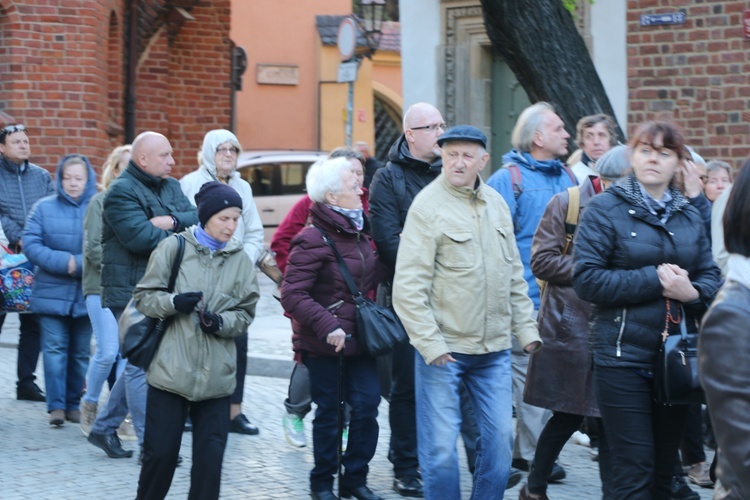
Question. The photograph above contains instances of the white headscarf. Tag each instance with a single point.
(213, 140)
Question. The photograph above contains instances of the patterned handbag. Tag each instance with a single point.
(16, 280)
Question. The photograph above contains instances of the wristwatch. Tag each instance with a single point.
(175, 223)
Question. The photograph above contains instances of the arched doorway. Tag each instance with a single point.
(388, 126)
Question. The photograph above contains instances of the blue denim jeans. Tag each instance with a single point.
(107, 348)
(362, 393)
(66, 344)
(487, 378)
(128, 394)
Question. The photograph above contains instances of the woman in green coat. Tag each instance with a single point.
(194, 368)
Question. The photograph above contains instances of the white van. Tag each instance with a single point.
(278, 181)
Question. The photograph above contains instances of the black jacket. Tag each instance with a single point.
(388, 206)
(128, 237)
(619, 244)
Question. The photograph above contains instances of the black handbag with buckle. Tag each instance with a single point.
(141, 335)
(676, 376)
(378, 327)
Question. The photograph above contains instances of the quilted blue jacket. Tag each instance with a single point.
(54, 232)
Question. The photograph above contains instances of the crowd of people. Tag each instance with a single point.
(541, 294)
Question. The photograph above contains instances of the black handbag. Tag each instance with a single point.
(676, 376)
(378, 327)
(140, 334)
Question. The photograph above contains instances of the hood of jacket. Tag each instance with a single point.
(88, 192)
(524, 159)
(211, 141)
(150, 181)
(399, 153)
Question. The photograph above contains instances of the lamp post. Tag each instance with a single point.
(368, 16)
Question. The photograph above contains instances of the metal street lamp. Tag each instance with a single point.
(369, 15)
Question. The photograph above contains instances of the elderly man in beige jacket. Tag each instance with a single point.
(460, 293)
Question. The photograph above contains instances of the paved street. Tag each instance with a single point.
(40, 462)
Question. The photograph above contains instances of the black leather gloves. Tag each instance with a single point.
(185, 302)
(210, 322)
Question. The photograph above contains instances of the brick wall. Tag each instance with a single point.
(54, 65)
(698, 73)
(63, 76)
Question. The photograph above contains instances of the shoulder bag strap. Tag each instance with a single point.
(571, 217)
(177, 262)
(344, 269)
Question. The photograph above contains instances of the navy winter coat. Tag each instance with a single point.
(54, 232)
(619, 245)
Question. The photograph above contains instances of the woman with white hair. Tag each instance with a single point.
(315, 294)
(218, 162)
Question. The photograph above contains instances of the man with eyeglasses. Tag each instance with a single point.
(413, 162)
(218, 162)
(21, 184)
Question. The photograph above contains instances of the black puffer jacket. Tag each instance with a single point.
(388, 209)
(619, 245)
(128, 237)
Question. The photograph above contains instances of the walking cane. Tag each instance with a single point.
(340, 414)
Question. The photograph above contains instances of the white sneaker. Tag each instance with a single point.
(344, 438)
(294, 430)
(126, 431)
(88, 415)
(579, 437)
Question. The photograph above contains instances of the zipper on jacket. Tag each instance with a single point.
(23, 198)
(622, 330)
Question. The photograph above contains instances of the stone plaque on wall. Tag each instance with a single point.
(277, 74)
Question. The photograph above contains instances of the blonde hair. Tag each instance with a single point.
(109, 169)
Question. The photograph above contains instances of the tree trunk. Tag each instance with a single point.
(540, 43)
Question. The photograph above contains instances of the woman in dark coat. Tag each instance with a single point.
(644, 261)
(323, 313)
(560, 376)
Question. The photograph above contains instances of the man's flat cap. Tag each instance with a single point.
(463, 133)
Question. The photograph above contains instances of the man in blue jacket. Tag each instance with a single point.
(21, 185)
(531, 175)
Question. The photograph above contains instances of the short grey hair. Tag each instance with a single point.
(715, 165)
(614, 164)
(528, 124)
(324, 177)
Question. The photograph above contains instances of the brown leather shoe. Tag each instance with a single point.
(524, 494)
(73, 416)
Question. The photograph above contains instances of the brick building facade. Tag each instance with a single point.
(65, 67)
(697, 72)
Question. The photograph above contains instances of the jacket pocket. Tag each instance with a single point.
(507, 243)
(457, 249)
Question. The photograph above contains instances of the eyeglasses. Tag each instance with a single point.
(231, 151)
(432, 128)
(11, 129)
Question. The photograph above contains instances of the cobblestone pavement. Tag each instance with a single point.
(40, 462)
